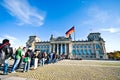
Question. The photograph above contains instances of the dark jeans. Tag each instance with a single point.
(32, 62)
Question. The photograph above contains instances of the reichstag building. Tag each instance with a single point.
(92, 48)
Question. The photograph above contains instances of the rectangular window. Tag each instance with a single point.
(81, 46)
(85, 46)
(89, 46)
(73, 46)
(36, 46)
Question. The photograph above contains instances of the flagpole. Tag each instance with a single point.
(74, 40)
(74, 33)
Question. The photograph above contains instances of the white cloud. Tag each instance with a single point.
(14, 41)
(10, 37)
(96, 15)
(111, 30)
(106, 22)
(1, 38)
(25, 13)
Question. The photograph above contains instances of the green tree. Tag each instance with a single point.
(116, 55)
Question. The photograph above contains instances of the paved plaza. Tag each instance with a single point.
(71, 70)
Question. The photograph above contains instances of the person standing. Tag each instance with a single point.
(43, 58)
(32, 59)
(55, 58)
(27, 60)
(5, 52)
(17, 59)
(50, 57)
(36, 53)
(21, 59)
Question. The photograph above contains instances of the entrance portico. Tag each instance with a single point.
(60, 45)
(60, 48)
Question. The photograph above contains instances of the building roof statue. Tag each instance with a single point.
(60, 38)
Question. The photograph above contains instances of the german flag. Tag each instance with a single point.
(70, 31)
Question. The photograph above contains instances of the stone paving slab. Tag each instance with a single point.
(70, 70)
(11, 78)
(7, 77)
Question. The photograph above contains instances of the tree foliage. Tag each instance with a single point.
(114, 55)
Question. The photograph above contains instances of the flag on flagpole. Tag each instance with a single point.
(70, 31)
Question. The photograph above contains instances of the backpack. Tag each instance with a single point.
(26, 59)
(5, 52)
(2, 54)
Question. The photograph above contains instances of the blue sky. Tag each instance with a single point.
(21, 18)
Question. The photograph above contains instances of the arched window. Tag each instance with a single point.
(98, 51)
(81, 51)
(85, 51)
(48, 46)
(73, 52)
(89, 51)
(97, 46)
(77, 52)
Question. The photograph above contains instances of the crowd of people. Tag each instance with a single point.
(24, 58)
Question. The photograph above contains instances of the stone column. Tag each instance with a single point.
(50, 48)
(70, 49)
(94, 49)
(103, 47)
(57, 49)
(104, 51)
(53, 48)
(65, 48)
(61, 49)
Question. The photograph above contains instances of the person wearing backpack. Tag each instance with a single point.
(27, 60)
(5, 53)
(2, 56)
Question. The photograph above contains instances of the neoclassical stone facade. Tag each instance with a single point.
(92, 48)
(32, 40)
